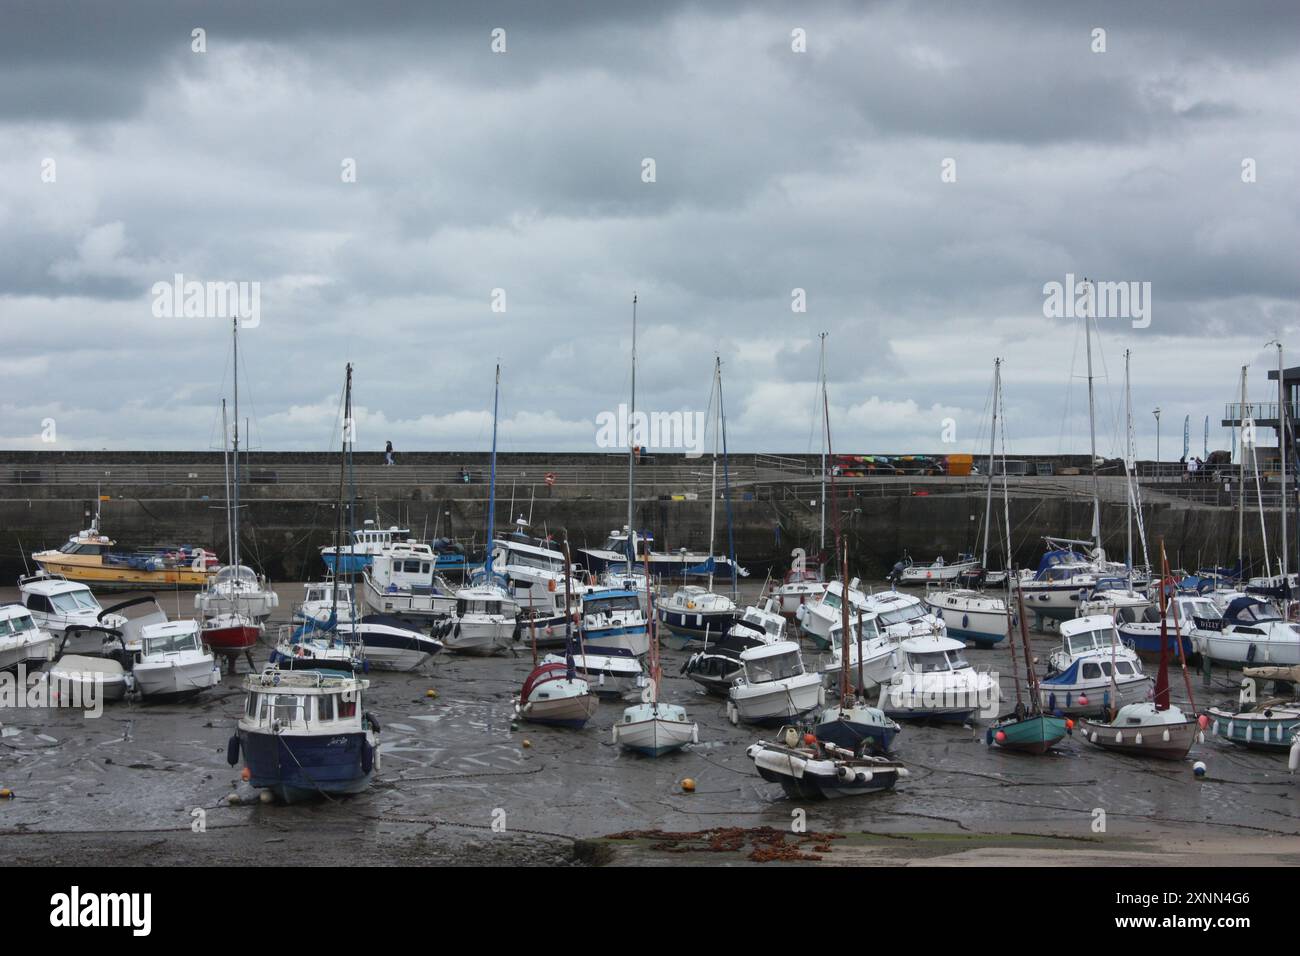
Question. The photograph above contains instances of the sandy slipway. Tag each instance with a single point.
(125, 788)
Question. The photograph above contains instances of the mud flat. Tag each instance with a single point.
(149, 785)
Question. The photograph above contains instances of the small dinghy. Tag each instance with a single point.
(1154, 728)
(652, 727)
(808, 769)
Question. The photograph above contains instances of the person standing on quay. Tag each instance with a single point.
(388, 454)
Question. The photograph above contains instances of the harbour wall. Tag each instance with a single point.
(288, 506)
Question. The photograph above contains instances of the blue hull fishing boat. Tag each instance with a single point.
(304, 734)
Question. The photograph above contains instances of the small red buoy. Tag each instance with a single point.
(1083, 700)
(1069, 723)
(810, 739)
(1203, 720)
(245, 774)
(1000, 736)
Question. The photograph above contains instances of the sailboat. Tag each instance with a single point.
(484, 618)
(979, 618)
(693, 612)
(1152, 728)
(235, 600)
(652, 727)
(553, 693)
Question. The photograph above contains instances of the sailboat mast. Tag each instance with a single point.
(1281, 453)
(1128, 463)
(713, 491)
(631, 448)
(225, 463)
(726, 493)
(338, 528)
(492, 475)
(1092, 432)
(1241, 480)
(988, 493)
(234, 540)
(822, 369)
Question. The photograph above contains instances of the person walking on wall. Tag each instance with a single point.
(388, 454)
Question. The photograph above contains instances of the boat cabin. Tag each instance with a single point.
(772, 662)
(174, 637)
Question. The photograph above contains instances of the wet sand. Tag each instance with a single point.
(123, 789)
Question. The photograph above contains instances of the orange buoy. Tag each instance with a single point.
(245, 775)
(688, 785)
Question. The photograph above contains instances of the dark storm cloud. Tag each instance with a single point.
(775, 171)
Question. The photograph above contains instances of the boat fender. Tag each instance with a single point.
(1138, 739)
(965, 621)
(846, 774)
(456, 631)
(865, 777)
(1051, 702)
(1293, 761)
(1164, 736)
(374, 721)
(367, 756)
(1250, 654)
(232, 750)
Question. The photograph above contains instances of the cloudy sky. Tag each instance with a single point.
(920, 171)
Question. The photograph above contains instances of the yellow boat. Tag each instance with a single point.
(88, 557)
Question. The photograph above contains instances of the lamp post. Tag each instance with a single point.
(1156, 413)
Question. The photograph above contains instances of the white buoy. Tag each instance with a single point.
(1119, 736)
(1138, 740)
(1198, 768)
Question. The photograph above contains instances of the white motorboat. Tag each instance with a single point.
(799, 587)
(1139, 627)
(774, 686)
(58, 604)
(22, 642)
(1092, 671)
(168, 661)
(481, 624)
(389, 644)
(818, 617)
(319, 604)
(902, 615)
(935, 682)
(876, 649)
(403, 580)
(767, 621)
(613, 622)
(1112, 596)
(366, 542)
(1251, 632)
(975, 616)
